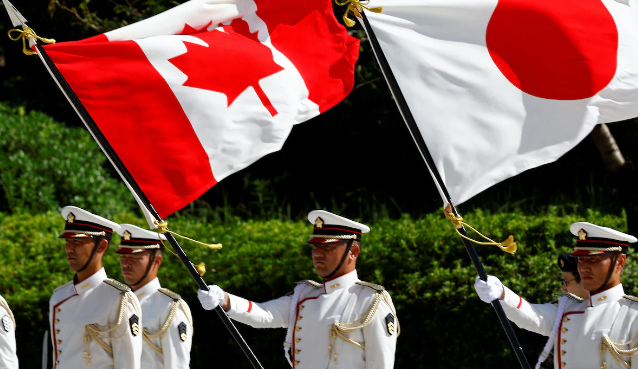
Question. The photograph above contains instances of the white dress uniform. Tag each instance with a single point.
(168, 327)
(95, 324)
(599, 332)
(8, 358)
(324, 323)
(584, 327)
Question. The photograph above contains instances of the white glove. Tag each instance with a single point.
(212, 298)
(490, 290)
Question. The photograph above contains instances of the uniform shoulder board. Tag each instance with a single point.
(62, 286)
(571, 296)
(311, 283)
(375, 287)
(117, 285)
(631, 298)
(170, 294)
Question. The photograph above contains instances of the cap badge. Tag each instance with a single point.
(70, 218)
(319, 222)
(582, 235)
(562, 263)
(126, 235)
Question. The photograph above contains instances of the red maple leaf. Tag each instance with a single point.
(230, 64)
(188, 30)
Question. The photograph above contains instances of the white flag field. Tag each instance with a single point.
(498, 87)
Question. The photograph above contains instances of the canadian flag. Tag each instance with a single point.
(497, 87)
(203, 90)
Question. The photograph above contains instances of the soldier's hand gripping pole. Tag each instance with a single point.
(425, 154)
(18, 20)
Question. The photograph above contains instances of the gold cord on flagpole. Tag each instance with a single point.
(24, 35)
(356, 7)
(508, 245)
(162, 227)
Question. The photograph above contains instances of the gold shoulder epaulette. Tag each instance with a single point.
(170, 294)
(311, 283)
(571, 296)
(631, 298)
(375, 287)
(117, 285)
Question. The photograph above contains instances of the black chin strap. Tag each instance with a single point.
(343, 259)
(611, 271)
(97, 245)
(148, 268)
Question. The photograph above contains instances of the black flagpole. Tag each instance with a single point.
(425, 153)
(126, 175)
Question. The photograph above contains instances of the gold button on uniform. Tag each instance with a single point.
(57, 362)
(59, 342)
(297, 340)
(564, 330)
(301, 307)
(297, 352)
(296, 362)
(297, 329)
(57, 331)
(565, 319)
(563, 352)
(57, 310)
(563, 341)
(59, 352)
(299, 317)
(57, 321)
(563, 364)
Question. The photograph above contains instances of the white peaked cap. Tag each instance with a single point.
(334, 219)
(330, 228)
(136, 232)
(81, 223)
(595, 231)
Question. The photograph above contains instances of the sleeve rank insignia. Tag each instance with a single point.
(181, 328)
(389, 322)
(6, 323)
(134, 322)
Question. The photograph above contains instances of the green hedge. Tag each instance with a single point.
(45, 165)
(421, 262)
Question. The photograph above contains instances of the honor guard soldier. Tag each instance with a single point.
(342, 322)
(600, 331)
(8, 357)
(95, 320)
(167, 321)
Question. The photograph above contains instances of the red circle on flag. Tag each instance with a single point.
(561, 50)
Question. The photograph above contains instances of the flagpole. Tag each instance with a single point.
(425, 154)
(128, 178)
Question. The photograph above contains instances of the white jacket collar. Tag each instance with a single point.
(149, 288)
(613, 294)
(344, 281)
(91, 282)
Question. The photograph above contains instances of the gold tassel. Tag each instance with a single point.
(508, 245)
(162, 227)
(24, 35)
(356, 7)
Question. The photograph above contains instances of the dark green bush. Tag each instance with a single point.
(421, 262)
(45, 165)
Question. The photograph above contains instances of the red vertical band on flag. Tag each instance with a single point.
(140, 117)
(320, 48)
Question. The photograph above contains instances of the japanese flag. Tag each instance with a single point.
(501, 86)
(203, 90)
